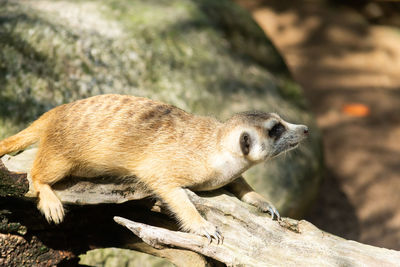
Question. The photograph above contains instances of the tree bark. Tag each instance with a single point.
(250, 237)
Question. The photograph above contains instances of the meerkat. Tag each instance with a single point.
(163, 146)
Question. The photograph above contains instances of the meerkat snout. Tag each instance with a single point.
(286, 136)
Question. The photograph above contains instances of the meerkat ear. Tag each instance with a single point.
(245, 143)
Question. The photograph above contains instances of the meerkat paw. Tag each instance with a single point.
(52, 209)
(210, 231)
(268, 207)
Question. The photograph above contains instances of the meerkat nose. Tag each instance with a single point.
(305, 130)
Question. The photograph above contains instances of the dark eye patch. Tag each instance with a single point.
(245, 143)
(277, 130)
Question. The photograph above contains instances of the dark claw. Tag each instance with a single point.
(219, 237)
(278, 215)
(208, 237)
(271, 210)
(274, 212)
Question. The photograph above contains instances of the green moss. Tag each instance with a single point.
(10, 227)
(291, 91)
(12, 186)
(111, 257)
(43, 249)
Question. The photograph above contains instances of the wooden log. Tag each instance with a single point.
(251, 238)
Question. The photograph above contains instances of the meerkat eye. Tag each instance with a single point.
(245, 143)
(277, 130)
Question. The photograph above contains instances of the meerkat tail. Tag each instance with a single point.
(24, 138)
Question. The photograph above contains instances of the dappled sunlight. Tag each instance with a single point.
(350, 72)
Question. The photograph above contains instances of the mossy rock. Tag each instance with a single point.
(206, 57)
(115, 257)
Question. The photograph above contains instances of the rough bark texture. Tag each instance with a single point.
(251, 238)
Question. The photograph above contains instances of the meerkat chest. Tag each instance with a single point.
(225, 168)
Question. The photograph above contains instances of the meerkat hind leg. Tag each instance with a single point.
(187, 214)
(44, 173)
(49, 204)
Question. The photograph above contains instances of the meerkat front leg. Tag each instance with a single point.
(243, 191)
(188, 216)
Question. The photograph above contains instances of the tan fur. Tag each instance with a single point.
(165, 147)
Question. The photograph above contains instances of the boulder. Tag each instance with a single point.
(206, 57)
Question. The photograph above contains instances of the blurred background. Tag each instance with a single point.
(333, 65)
(346, 56)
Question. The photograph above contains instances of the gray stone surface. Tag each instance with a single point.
(206, 57)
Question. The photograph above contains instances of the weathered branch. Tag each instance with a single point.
(250, 238)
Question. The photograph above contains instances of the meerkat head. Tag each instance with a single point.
(259, 136)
